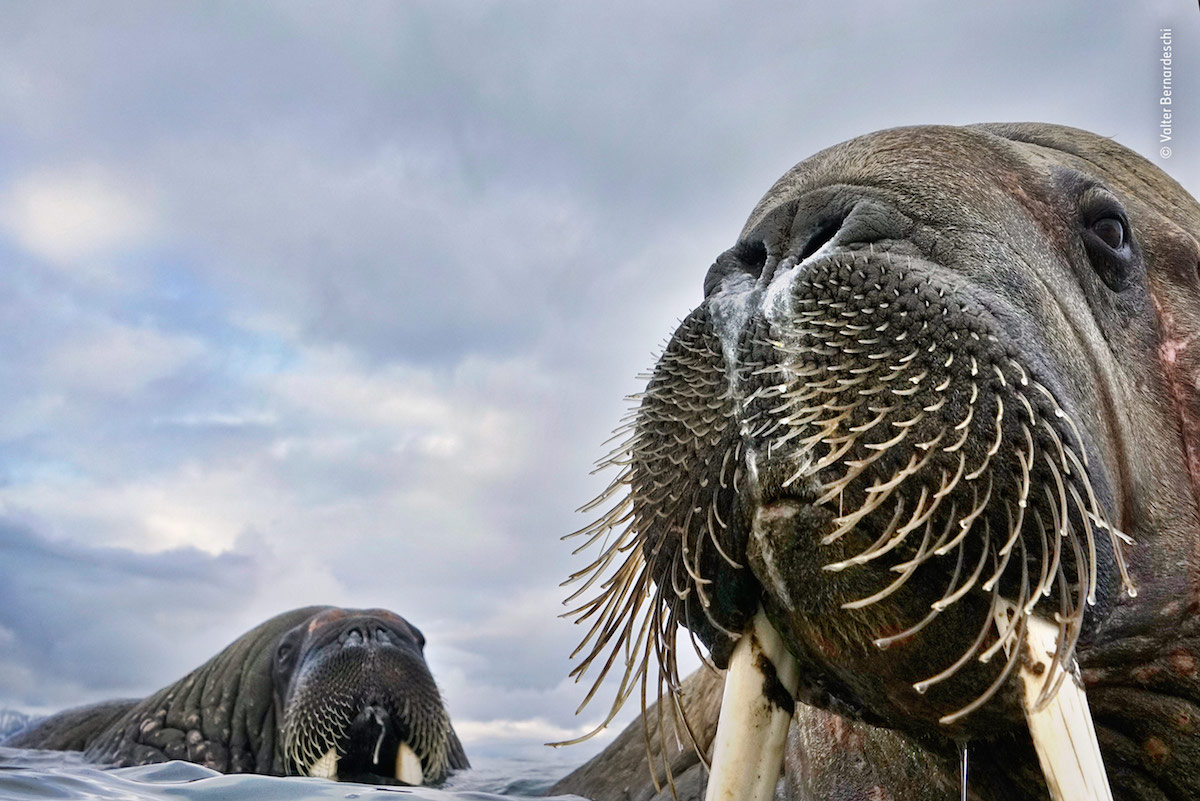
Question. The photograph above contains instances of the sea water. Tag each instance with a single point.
(36, 775)
(27, 775)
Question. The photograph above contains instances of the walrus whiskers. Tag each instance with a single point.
(880, 490)
(618, 603)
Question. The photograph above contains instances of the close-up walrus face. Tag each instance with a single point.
(357, 701)
(942, 393)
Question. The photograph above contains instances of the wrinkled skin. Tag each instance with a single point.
(943, 369)
(272, 701)
(621, 772)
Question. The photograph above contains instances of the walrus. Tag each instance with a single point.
(318, 691)
(926, 457)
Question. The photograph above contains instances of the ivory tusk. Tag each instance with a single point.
(408, 766)
(753, 725)
(326, 766)
(1062, 730)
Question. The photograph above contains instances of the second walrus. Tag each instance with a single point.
(319, 691)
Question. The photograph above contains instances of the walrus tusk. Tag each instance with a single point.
(326, 766)
(753, 725)
(1062, 730)
(408, 766)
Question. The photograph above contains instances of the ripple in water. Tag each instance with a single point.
(34, 775)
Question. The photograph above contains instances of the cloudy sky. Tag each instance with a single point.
(300, 306)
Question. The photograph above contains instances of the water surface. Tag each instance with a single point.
(29, 775)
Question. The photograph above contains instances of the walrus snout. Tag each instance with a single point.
(863, 442)
(921, 452)
(359, 701)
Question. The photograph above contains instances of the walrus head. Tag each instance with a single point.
(942, 391)
(357, 701)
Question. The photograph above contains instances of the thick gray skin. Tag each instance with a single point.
(993, 212)
(621, 772)
(229, 713)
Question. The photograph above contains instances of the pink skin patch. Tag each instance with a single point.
(324, 618)
(1179, 354)
(1170, 350)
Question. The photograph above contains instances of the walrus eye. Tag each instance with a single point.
(1107, 239)
(1111, 232)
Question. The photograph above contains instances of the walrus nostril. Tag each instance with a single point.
(362, 634)
(820, 237)
(751, 256)
(747, 257)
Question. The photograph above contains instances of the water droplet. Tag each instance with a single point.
(962, 770)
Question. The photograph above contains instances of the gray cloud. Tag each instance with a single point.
(82, 623)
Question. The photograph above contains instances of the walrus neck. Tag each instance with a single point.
(175, 723)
